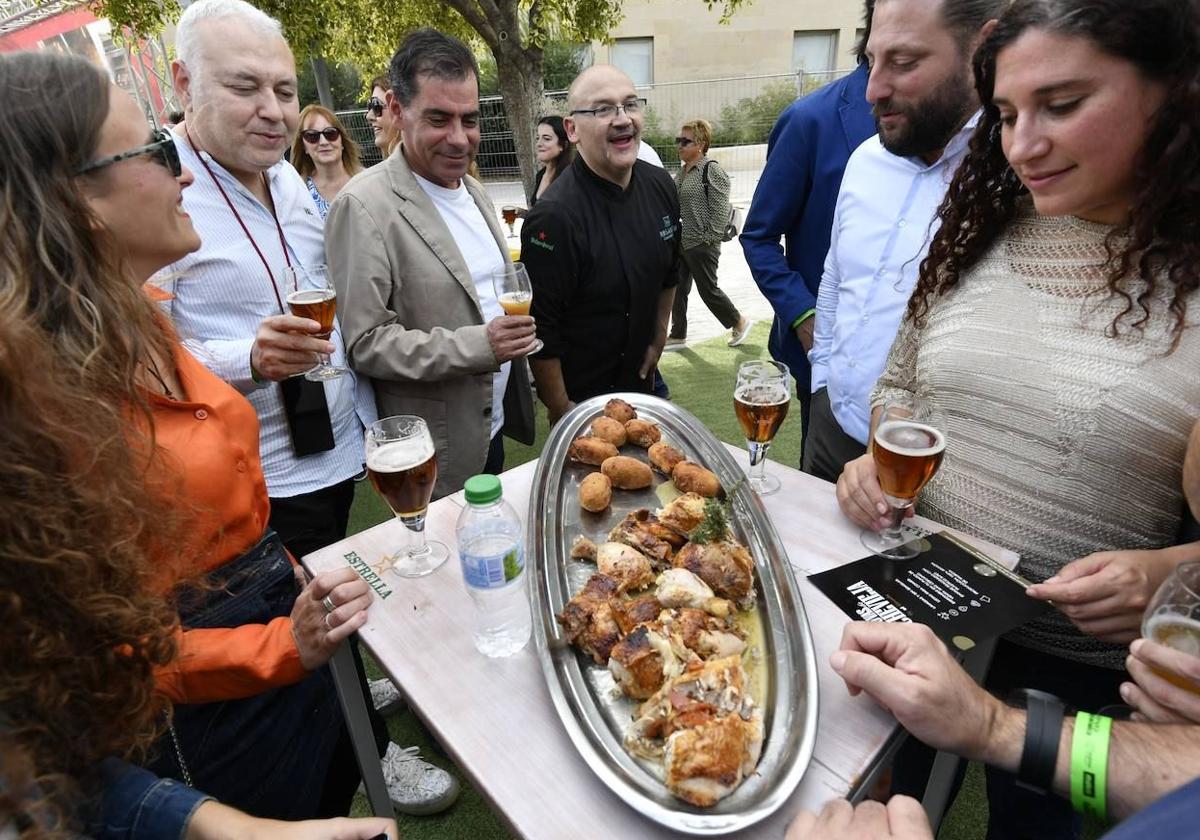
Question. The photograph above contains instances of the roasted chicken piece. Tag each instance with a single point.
(642, 530)
(631, 613)
(705, 635)
(706, 763)
(681, 588)
(683, 513)
(643, 660)
(625, 564)
(588, 618)
(726, 566)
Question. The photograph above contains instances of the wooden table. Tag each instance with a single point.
(496, 719)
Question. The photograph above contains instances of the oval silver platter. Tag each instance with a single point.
(585, 696)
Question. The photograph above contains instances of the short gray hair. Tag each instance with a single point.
(187, 40)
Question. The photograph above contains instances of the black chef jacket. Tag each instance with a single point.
(599, 258)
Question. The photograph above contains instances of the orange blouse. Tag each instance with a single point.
(210, 442)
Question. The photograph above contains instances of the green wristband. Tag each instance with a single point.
(1089, 764)
(804, 316)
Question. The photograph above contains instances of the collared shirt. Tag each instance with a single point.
(885, 218)
(222, 293)
(599, 258)
(703, 203)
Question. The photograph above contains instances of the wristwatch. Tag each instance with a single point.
(1043, 727)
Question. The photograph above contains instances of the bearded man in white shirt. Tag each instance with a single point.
(923, 99)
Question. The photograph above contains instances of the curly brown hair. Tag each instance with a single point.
(82, 630)
(1160, 240)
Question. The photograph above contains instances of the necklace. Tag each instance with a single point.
(152, 369)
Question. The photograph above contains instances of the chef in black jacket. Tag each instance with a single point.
(602, 249)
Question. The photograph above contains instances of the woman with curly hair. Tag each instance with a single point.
(1051, 334)
(324, 154)
(113, 489)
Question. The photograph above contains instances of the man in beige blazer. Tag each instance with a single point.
(411, 245)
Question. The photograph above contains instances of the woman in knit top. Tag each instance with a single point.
(1051, 333)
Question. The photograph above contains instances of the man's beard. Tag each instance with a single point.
(930, 122)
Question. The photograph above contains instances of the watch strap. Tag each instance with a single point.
(1043, 730)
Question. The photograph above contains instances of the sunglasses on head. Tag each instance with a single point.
(683, 141)
(312, 135)
(375, 106)
(161, 150)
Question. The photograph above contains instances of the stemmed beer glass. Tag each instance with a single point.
(515, 293)
(760, 400)
(312, 296)
(402, 465)
(907, 453)
(509, 212)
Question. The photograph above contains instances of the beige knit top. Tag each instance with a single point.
(1061, 440)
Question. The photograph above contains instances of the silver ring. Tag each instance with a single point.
(328, 626)
(327, 602)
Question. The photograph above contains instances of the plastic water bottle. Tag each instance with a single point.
(491, 550)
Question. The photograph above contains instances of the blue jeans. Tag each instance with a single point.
(268, 755)
(137, 805)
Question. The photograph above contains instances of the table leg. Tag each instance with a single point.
(354, 707)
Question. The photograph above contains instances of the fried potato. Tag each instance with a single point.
(664, 457)
(610, 430)
(627, 473)
(642, 432)
(693, 478)
(619, 410)
(591, 450)
(595, 492)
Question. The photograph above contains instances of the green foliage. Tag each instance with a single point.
(562, 61)
(145, 16)
(751, 119)
(660, 136)
(345, 84)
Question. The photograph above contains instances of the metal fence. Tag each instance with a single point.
(742, 111)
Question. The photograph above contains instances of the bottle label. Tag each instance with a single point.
(491, 571)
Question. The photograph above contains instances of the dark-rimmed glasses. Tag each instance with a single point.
(683, 142)
(609, 112)
(313, 135)
(161, 149)
(375, 106)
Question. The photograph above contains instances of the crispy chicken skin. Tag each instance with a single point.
(637, 661)
(705, 635)
(635, 611)
(642, 530)
(625, 564)
(706, 763)
(588, 619)
(681, 588)
(683, 513)
(726, 566)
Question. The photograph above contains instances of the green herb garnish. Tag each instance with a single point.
(714, 527)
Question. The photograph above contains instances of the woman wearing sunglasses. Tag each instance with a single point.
(324, 155)
(382, 123)
(138, 571)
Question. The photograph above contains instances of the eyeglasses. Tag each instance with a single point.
(161, 149)
(312, 135)
(375, 106)
(683, 142)
(608, 112)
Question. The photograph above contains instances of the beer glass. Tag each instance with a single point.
(907, 453)
(509, 212)
(402, 465)
(760, 400)
(313, 296)
(515, 293)
(1173, 618)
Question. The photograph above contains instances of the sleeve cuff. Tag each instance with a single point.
(804, 316)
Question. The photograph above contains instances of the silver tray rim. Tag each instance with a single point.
(792, 716)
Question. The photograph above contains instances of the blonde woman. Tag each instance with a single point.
(705, 210)
(324, 155)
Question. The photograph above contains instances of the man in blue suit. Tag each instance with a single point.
(806, 155)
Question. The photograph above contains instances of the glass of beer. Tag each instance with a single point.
(760, 400)
(313, 296)
(907, 453)
(515, 293)
(402, 466)
(1173, 618)
(509, 212)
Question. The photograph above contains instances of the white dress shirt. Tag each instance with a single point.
(221, 293)
(885, 218)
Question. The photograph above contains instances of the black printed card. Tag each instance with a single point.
(964, 597)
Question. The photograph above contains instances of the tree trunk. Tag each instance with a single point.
(321, 77)
(520, 77)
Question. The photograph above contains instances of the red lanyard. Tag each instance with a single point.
(246, 230)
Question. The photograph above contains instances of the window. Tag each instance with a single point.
(636, 57)
(813, 52)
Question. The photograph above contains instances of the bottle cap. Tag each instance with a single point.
(482, 489)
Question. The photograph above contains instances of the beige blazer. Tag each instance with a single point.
(411, 319)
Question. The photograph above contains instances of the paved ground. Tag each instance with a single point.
(733, 274)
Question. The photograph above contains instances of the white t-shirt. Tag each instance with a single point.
(482, 256)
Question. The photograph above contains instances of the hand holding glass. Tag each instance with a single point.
(312, 296)
(402, 465)
(515, 293)
(760, 400)
(907, 453)
(1173, 618)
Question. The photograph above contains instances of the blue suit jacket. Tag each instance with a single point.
(806, 156)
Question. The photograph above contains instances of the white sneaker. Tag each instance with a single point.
(675, 344)
(740, 332)
(416, 787)
(385, 697)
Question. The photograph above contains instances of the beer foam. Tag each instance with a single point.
(311, 296)
(756, 393)
(395, 456)
(1175, 631)
(909, 437)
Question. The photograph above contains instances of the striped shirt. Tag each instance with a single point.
(221, 293)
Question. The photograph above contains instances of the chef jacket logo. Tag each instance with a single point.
(668, 229)
(540, 241)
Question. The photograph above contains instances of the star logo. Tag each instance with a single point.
(387, 563)
(542, 235)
